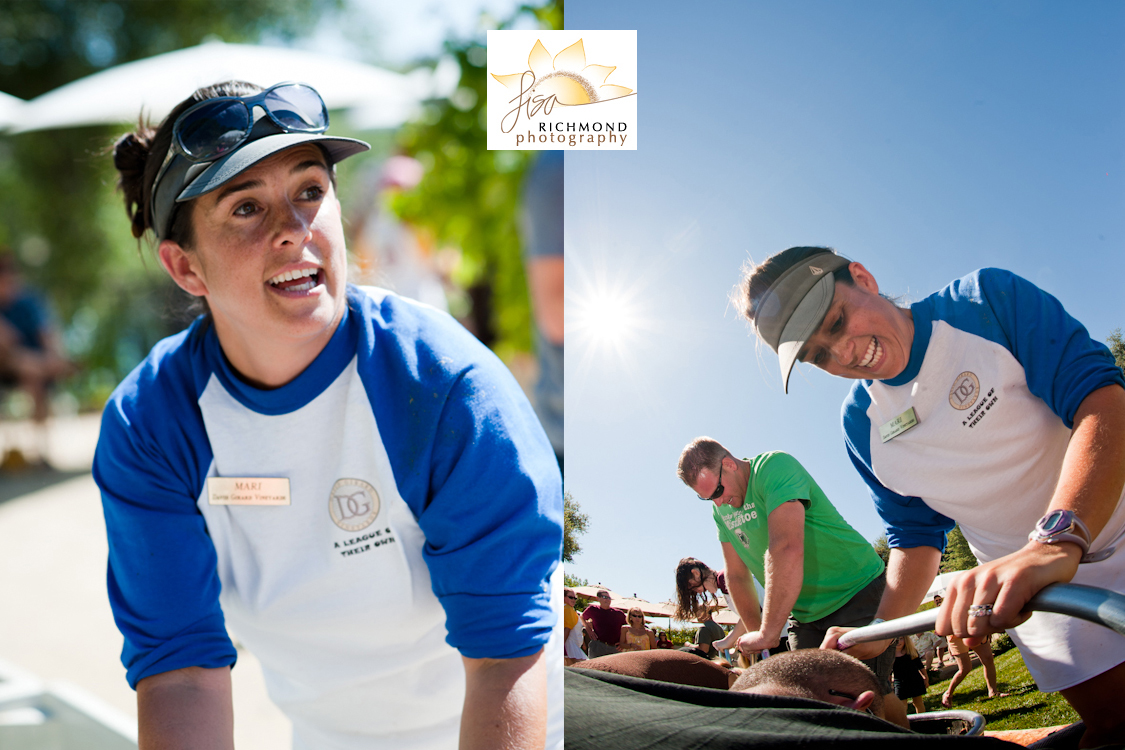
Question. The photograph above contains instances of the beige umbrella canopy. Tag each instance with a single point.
(591, 592)
(649, 608)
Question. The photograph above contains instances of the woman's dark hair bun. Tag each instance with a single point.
(130, 155)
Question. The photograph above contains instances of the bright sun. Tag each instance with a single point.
(607, 318)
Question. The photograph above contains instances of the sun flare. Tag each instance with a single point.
(607, 319)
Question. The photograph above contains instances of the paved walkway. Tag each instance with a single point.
(55, 620)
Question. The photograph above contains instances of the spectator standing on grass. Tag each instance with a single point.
(603, 623)
(930, 644)
(910, 678)
(572, 629)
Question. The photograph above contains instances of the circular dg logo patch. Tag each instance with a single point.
(964, 392)
(353, 504)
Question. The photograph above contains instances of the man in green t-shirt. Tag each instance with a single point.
(775, 522)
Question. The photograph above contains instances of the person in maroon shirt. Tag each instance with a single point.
(604, 623)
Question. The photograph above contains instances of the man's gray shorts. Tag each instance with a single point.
(856, 613)
(599, 648)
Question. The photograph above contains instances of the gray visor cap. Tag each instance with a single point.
(184, 180)
(795, 305)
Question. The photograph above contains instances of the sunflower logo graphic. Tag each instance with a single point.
(565, 78)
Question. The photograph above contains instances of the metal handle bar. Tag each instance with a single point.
(1090, 603)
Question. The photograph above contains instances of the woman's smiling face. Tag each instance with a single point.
(863, 336)
(269, 257)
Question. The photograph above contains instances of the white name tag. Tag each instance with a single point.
(247, 491)
(898, 425)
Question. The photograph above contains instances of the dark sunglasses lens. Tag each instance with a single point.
(209, 132)
(297, 108)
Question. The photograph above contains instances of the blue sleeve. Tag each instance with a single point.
(908, 521)
(163, 583)
(542, 213)
(472, 462)
(1062, 363)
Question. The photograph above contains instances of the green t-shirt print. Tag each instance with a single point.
(838, 561)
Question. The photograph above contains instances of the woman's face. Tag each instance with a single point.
(863, 336)
(280, 218)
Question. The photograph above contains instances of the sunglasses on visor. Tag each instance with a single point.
(214, 127)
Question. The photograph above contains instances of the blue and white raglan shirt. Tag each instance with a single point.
(424, 522)
(997, 371)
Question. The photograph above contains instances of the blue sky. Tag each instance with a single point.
(923, 139)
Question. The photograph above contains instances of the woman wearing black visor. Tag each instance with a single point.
(335, 473)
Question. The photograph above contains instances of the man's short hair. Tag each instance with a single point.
(701, 453)
(810, 673)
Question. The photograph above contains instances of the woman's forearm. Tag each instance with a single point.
(1093, 470)
(186, 709)
(505, 704)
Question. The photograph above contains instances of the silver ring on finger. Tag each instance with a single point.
(980, 610)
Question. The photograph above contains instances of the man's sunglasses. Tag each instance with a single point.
(718, 488)
(214, 127)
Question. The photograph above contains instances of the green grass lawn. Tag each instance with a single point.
(1024, 708)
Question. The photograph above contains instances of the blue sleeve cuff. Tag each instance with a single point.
(485, 631)
(205, 644)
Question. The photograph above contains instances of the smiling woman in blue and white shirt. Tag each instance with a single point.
(984, 404)
(334, 472)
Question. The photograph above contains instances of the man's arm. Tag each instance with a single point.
(505, 704)
(910, 572)
(785, 572)
(741, 588)
(186, 708)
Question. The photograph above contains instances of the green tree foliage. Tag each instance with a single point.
(957, 555)
(883, 549)
(59, 212)
(574, 524)
(470, 199)
(572, 581)
(1117, 346)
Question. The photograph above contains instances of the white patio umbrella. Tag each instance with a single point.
(10, 109)
(941, 582)
(156, 84)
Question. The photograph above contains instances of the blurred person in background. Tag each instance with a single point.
(31, 352)
(330, 471)
(388, 251)
(543, 258)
